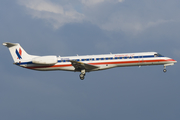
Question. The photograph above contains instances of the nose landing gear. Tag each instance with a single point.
(169, 64)
(164, 70)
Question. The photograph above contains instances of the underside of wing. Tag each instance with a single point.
(82, 66)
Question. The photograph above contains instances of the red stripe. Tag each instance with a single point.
(20, 51)
(125, 62)
(49, 66)
(101, 63)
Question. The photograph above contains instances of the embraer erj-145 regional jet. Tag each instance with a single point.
(86, 63)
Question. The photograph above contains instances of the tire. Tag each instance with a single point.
(164, 70)
(81, 76)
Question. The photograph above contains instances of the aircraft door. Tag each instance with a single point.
(141, 60)
(90, 60)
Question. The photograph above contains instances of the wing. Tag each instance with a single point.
(81, 66)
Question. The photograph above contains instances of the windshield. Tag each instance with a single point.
(158, 55)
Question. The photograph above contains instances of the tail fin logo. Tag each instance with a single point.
(19, 54)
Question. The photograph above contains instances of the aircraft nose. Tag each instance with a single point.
(174, 61)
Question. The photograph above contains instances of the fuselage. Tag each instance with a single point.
(103, 62)
(86, 63)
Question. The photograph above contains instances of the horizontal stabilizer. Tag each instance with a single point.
(7, 44)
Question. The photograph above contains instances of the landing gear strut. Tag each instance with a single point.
(164, 70)
(83, 73)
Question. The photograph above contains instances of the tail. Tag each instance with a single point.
(17, 52)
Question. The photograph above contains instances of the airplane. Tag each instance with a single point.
(86, 63)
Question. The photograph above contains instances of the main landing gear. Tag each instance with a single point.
(83, 73)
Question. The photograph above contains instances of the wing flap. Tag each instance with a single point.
(81, 65)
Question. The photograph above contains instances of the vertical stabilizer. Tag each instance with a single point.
(17, 52)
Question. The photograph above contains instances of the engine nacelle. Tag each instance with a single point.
(45, 60)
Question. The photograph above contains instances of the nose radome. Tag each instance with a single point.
(174, 61)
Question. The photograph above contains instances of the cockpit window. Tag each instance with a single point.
(158, 55)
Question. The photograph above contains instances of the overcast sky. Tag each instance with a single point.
(70, 27)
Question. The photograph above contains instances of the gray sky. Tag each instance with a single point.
(70, 27)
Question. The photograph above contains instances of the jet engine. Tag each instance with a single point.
(45, 60)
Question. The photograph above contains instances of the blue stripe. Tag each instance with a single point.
(17, 53)
(24, 63)
(148, 56)
(135, 56)
(111, 58)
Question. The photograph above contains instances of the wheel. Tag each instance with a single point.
(81, 76)
(164, 70)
